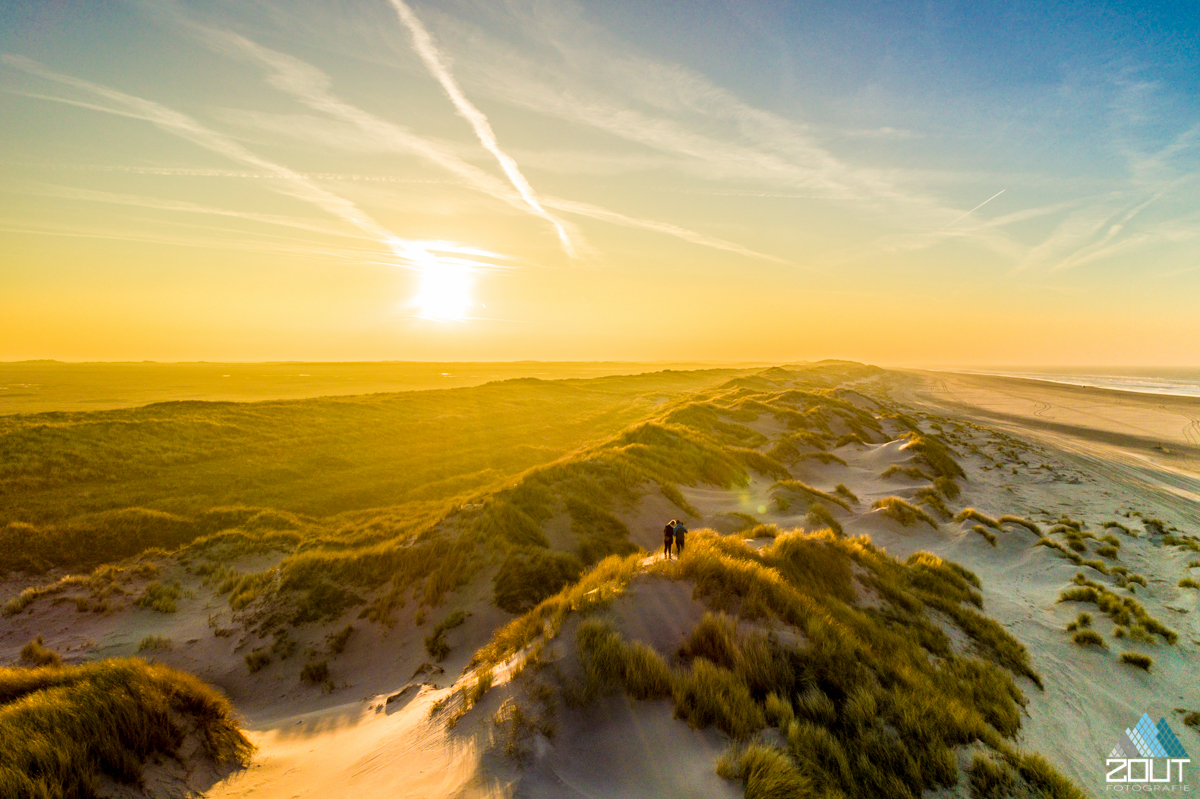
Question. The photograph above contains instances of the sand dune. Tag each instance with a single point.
(1089, 454)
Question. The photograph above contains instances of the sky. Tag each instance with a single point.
(926, 183)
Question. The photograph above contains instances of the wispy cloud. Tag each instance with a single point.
(432, 58)
(312, 87)
(284, 180)
(692, 236)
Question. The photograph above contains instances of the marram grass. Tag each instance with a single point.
(64, 728)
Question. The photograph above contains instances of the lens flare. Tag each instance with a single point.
(444, 277)
(444, 292)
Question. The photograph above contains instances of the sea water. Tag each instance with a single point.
(1176, 382)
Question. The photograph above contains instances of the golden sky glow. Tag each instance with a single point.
(599, 181)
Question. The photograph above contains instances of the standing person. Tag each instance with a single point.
(668, 538)
(680, 534)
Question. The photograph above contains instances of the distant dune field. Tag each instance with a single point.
(893, 585)
(38, 386)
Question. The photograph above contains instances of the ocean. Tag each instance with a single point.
(1179, 382)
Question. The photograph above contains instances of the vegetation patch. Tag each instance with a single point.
(435, 642)
(852, 679)
(900, 510)
(36, 654)
(162, 597)
(1126, 612)
(156, 643)
(104, 720)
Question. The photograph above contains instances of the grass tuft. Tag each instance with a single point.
(107, 718)
(1137, 659)
(36, 654)
(908, 515)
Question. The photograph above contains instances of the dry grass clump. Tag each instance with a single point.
(1124, 611)
(160, 597)
(36, 654)
(819, 516)
(938, 456)
(975, 516)
(1023, 522)
(809, 494)
(156, 643)
(1082, 622)
(911, 472)
(841, 490)
(593, 591)
(1119, 526)
(435, 642)
(1088, 638)
(908, 515)
(990, 777)
(932, 499)
(763, 531)
(257, 659)
(824, 457)
(336, 642)
(1188, 582)
(530, 575)
(64, 729)
(1107, 552)
(316, 672)
(1137, 659)
(987, 534)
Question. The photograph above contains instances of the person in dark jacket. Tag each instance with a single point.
(680, 534)
(668, 538)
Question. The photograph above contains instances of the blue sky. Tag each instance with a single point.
(894, 182)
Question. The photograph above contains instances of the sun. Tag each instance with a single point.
(443, 291)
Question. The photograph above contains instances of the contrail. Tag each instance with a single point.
(423, 43)
(287, 181)
(973, 210)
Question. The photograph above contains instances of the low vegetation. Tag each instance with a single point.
(435, 642)
(975, 516)
(840, 678)
(900, 510)
(1126, 612)
(156, 643)
(36, 654)
(106, 719)
(1137, 659)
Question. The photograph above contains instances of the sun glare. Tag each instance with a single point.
(444, 292)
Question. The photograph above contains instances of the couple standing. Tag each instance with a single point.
(673, 533)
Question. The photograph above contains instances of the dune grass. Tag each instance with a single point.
(36, 654)
(435, 642)
(63, 729)
(900, 510)
(818, 516)
(809, 494)
(858, 680)
(975, 516)
(1188, 582)
(156, 643)
(1124, 611)
(842, 491)
(987, 534)
(911, 472)
(1023, 522)
(1137, 659)
(931, 498)
(1088, 638)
